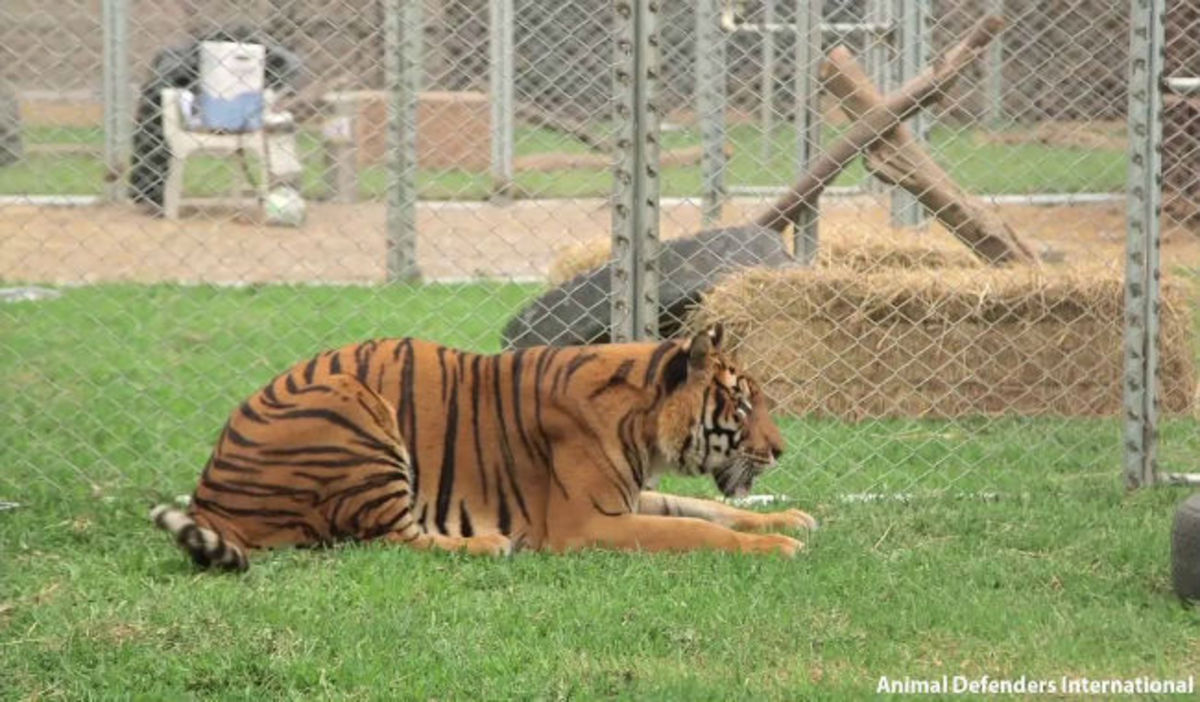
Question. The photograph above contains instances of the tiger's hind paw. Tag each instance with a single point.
(775, 543)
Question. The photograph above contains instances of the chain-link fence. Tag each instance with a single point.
(943, 312)
(1165, 185)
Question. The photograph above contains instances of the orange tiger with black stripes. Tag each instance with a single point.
(546, 448)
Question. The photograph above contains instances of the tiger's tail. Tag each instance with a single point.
(207, 548)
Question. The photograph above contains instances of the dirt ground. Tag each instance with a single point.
(456, 240)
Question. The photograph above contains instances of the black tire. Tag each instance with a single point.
(577, 312)
(1185, 550)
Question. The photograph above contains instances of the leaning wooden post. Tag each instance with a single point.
(878, 122)
(900, 159)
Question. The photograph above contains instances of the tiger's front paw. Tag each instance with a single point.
(787, 520)
(775, 543)
(490, 545)
(791, 520)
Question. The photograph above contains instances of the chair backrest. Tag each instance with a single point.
(232, 78)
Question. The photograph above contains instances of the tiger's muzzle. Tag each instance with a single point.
(735, 480)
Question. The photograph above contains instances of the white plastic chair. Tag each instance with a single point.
(183, 143)
(272, 142)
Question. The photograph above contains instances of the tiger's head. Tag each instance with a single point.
(714, 417)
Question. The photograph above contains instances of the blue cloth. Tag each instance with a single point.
(241, 113)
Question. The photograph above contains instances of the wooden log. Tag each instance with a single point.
(899, 159)
(916, 93)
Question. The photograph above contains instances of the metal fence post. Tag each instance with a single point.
(1143, 230)
(402, 66)
(710, 108)
(809, 55)
(501, 76)
(634, 303)
(994, 80)
(118, 124)
(913, 57)
(767, 85)
(877, 57)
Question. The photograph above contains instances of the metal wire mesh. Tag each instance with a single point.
(446, 199)
(1177, 123)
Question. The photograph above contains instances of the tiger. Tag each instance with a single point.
(546, 448)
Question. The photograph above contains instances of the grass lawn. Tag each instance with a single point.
(112, 395)
(979, 165)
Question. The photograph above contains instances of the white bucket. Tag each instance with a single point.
(231, 85)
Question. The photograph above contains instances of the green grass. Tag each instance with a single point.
(112, 395)
(977, 164)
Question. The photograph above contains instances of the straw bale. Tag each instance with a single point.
(863, 251)
(839, 342)
(869, 254)
(572, 260)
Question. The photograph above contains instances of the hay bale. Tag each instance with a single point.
(839, 342)
(860, 251)
(577, 259)
(869, 254)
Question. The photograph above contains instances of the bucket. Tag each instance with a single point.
(231, 86)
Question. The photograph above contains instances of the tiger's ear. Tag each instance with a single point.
(704, 344)
(717, 333)
(675, 373)
(692, 358)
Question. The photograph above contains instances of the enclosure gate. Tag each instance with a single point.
(1143, 333)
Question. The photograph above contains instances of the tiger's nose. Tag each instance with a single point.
(776, 452)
